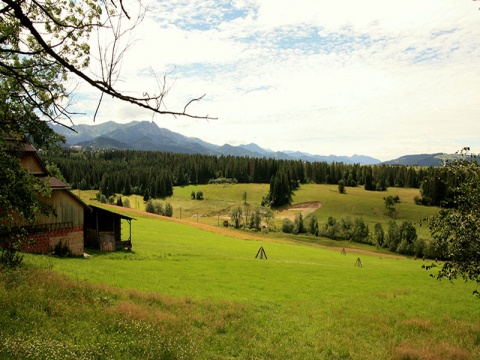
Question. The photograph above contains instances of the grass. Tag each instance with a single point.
(369, 205)
(196, 291)
(47, 316)
(221, 198)
(304, 302)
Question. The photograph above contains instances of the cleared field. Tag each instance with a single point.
(219, 200)
(304, 302)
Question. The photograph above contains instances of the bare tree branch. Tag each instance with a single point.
(98, 107)
(110, 69)
(197, 99)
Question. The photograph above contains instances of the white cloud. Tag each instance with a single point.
(392, 17)
(323, 77)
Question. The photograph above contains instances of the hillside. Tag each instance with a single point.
(437, 159)
(145, 135)
(185, 293)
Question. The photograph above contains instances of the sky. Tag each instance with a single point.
(372, 77)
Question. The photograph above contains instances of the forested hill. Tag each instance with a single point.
(154, 174)
(438, 159)
(145, 135)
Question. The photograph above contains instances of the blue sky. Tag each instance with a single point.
(373, 77)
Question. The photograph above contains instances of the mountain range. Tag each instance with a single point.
(146, 135)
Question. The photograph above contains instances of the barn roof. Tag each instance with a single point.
(26, 147)
(56, 184)
(112, 212)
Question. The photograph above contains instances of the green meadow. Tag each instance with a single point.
(190, 292)
(220, 199)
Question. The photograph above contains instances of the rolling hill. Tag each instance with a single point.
(438, 159)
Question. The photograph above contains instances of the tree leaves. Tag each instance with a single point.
(456, 230)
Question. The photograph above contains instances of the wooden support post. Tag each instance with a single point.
(261, 252)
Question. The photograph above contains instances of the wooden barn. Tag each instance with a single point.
(103, 230)
(75, 225)
(66, 227)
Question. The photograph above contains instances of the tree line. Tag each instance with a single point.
(401, 239)
(154, 174)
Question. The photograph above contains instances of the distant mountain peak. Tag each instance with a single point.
(147, 135)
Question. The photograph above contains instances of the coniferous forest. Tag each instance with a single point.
(154, 174)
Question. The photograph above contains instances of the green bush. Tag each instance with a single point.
(168, 210)
(312, 225)
(10, 258)
(298, 225)
(287, 226)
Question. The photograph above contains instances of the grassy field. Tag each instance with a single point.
(219, 199)
(193, 290)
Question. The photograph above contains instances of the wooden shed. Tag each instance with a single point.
(75, 224)
(103, 230)
(66, 227)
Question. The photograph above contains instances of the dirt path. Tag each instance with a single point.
(215, 229)
(305, 208)
(306, 205)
